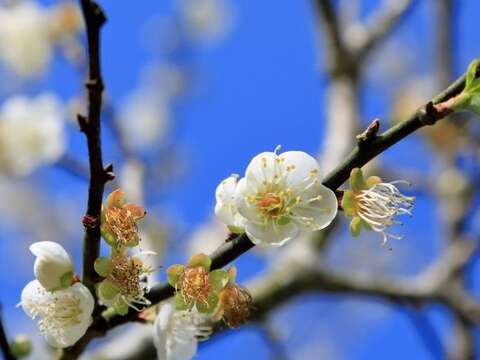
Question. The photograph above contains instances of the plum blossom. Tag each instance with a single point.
(280, 196)
(31, 133)
(226, 207)
(374, 204)
(53, 267)
(62, 316)
(176, 333)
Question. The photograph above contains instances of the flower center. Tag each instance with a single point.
(195, 284)
(57, 313)
(271, 203)
(126, 275)
(122, 224)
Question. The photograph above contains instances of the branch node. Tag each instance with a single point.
(94, 85)
(89, 222)
(369, 134)
(429, 114)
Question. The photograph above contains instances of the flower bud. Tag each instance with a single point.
(53, 267)
(21, 346)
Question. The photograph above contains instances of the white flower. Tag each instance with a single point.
(63, 316)
(31, 133)
(282, 195)
(25, 45)
(53, 267)
(380, 204)
(226, 208)
(176, 333)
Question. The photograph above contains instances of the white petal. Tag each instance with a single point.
(32, 293)
(160, 329)
(271, 234)
(262, 169)
(247, 210)
(51, 264)
(184, 350)
(304, 165)
(323, 210)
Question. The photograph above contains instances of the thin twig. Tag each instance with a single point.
(4, 344)
(90, 125)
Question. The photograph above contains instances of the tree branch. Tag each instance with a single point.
(4, 344)
(94, 19)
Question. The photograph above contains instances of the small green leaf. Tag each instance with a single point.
(180, 303)
(200, 260)
(107, 290)
(471, 82)
(357, 182)
(174, 273)
(356, 226)
(348, 203)
(218, 279)
(103, 266)
(209, 306)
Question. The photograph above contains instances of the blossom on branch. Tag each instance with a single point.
(280, 196)
(373, 204)
(62, 306)
(62, 316)
(31, 133)
(196, 286)
(119, 221)
(123, 286)
(176, 333)
(226, 207)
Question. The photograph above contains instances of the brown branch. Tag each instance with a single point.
(380, 26)
(90, 125)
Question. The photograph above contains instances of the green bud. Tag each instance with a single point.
(357, 181)
(103, 266)
(174, 273)
(218, 279)
(200, 260)
(356, 226)
(21, 346)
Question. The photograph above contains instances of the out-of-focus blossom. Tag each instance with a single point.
(29, 32)
(145, 117)
(53, 267)
(31, 133)
(62, 316)
(281, 195)
(226, 207)
(207, 20)
(207, 237)
(374, 205)
(176, 333)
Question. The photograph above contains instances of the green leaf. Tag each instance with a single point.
(103, 266)
(357, 181)
(174, 273)
(471, 81)
(218, 279)
(356, 226)
(209, 306)
(107, 290)
(180, 303)
(200, 260)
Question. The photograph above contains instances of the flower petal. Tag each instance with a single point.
(262, 169)
(247, 210)
(32, 293)
(304, 168)
(271, 234)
